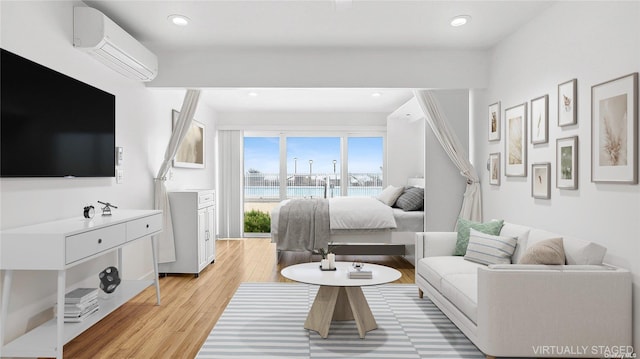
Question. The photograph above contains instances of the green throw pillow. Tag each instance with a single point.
(464, 226)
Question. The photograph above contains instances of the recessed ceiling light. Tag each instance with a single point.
(179, 20)
(253, 94)
(460, 20)
(376, 94)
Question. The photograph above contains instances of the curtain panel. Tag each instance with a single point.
(437, 120)
(166, 241)
(231, 183)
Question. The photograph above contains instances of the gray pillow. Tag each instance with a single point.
(549, 251)
(412, 199)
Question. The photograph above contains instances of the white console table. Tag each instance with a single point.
(59, 245)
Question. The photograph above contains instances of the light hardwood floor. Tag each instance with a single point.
(191, 306)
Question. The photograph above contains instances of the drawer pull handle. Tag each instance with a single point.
(99, 240)
(147, 226)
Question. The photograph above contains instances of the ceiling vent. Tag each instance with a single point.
(96, 34)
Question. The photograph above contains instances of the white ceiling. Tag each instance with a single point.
(317, 23)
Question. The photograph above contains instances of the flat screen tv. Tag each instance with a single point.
(52, 125)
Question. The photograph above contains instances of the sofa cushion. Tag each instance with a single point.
(433, 269)
(464, 226)
(487, 249)
(578, 251)
(462, 291)
(549, 251)
(520, 232)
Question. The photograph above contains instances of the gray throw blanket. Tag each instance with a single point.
(303, 225)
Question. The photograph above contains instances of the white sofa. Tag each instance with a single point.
(581, 309)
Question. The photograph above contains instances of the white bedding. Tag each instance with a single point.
(360, 213)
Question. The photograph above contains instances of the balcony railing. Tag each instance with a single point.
(266, 186)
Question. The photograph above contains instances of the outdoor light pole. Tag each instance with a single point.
(310, 170)
(335, 177)
(295, 165)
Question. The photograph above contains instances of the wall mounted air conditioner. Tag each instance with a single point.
(96, 34)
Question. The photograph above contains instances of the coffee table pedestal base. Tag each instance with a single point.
(340, 303)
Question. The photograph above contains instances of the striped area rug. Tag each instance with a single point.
(265, 320)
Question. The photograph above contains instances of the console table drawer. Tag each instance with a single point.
(89, 243)
(144, 226)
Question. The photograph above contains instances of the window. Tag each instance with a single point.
(365, 165)
(282, 167)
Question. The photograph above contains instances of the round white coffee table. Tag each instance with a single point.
(339, 298)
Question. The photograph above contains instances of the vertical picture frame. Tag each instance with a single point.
(494, 169)
(614, 130)
(191, 152)
(568, 103)
(540, 120)
(494, 122)
(515, 161)
(541, 180)
(567, 162)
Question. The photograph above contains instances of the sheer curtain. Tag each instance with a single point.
(230, 186)
(166, 242)
(472, 200)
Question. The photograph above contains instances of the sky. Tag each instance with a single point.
(263, 154)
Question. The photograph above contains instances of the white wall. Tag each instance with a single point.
(302, 121)
(593, 42)
(405, 144)
(42, 32)
(324, 67)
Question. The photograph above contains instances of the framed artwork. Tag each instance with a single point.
(516, 141)
(494, 122)
(540, 120)
(614, 130)
(191, 152)
(494, 169)
(567, 162)
(541, 180)
(567, 103)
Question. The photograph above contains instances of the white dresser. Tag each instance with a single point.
(194, 227)
(59, 245)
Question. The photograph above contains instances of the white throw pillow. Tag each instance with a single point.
(390, 194)
(489, 249)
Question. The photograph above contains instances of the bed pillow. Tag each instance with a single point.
(412, 199)
(390, 194)
(549, 251)
(464, 226)
(488, 249)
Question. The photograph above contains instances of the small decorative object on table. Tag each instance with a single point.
(109, 279)
(358, 272)
(328, 261)
(89, 211)
(106, 210)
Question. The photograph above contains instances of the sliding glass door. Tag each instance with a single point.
(313, 167)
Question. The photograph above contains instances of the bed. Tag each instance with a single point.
(349, 225)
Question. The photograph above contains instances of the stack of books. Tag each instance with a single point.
(79, 304)
(360, 274)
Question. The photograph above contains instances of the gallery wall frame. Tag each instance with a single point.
(567, 162)
(541, 180)
(494, 169)
(191, 152)
(614, 130)
(568, 103)
(494, 122)
(540, 120)
(515, 161)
